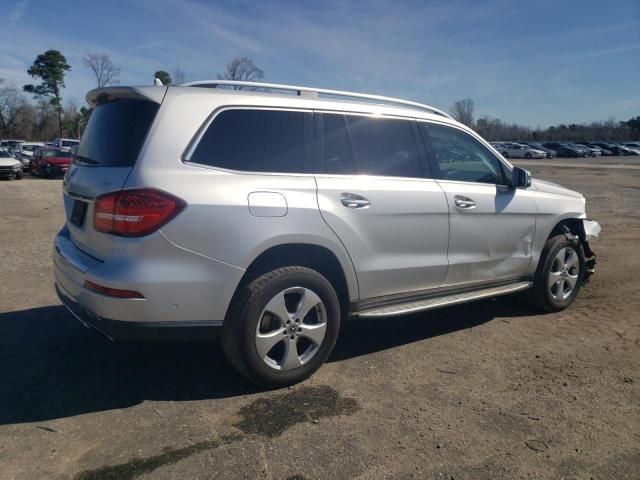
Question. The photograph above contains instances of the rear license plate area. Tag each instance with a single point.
(78, 213)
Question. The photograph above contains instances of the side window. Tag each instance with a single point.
(336, 154)
(354, 144)
(254, 141)
(459, 156)
(384, 146)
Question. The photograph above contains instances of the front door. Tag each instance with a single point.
(491, 224)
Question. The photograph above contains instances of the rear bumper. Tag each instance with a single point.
(183, 292)
(123, 331)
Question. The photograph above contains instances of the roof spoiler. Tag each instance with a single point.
(150, 93)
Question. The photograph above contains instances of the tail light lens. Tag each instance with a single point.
(134, 213)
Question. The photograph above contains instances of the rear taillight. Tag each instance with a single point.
(134, 213)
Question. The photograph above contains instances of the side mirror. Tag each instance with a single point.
(520, 178)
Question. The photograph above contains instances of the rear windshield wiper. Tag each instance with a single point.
(82, 159)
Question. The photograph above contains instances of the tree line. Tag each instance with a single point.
(494, 129)
(49, 116)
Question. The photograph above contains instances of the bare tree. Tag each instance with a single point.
(72, 118)
(242, 69)
(103, 69)
(178, 76)
(462, 110)
(10, 102)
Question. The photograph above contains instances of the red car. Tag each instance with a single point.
(50, 162)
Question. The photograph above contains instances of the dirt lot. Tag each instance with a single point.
(487, 390)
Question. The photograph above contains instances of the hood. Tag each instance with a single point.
(550, 187)
(8, 162)
(58, 160)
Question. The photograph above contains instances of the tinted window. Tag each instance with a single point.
(115, 132)
(381, 146)
(254, 141)
(459, 156)
(337, 156)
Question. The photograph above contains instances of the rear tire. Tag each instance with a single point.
(559, 275)
(527, 155)
(282, 326)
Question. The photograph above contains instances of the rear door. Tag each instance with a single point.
(491, 224)
(110, 146)
(373, 193)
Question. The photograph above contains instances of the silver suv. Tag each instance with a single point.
(277, 214)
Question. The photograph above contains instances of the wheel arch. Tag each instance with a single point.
(314, 256)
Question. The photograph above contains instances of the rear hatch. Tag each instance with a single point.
(111, 144)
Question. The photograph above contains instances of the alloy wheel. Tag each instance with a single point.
(291, 329)
(564, 272)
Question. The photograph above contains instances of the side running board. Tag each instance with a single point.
(444, 301)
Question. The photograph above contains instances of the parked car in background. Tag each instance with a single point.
(564, 150)
(196, 206)
(634, 148)
(595, 150)
(10, 167)
(50, 162)
(64, 143)
(589, 151)
(517, 150)
(603, 151)
(614, 149)
(538, 146)
(8, 143)
(26, 153)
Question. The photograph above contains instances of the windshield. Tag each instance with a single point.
(56, 153)
(5, 154)
(69, 143)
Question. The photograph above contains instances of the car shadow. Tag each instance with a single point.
(52, 367)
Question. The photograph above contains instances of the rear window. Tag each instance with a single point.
(254, 141)
(56, 153)
(115, 133)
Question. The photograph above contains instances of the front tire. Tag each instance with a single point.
(527, 155)
(559, 275)
(282, 326)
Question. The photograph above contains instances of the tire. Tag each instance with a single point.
(527, 155)
(249, 323)
(559, 275)
(32, 170)
(505, 154)
(19, 175)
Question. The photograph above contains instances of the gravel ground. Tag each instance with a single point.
(486, 390)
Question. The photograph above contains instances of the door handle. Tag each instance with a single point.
(464, 202)
(351, 200)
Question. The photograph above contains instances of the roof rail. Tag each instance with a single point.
(315, 92)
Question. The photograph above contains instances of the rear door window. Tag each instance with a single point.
(354, 144)
(115, 133)
(254, 141)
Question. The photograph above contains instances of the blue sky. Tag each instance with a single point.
(530, 62)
